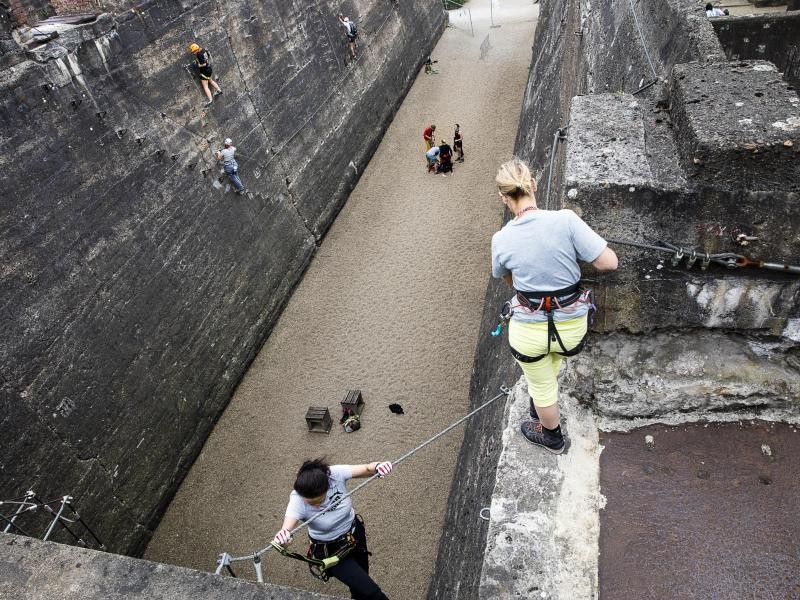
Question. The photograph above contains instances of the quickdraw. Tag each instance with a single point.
(319, 566)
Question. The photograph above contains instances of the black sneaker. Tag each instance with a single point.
(217, 93)
(539, 436)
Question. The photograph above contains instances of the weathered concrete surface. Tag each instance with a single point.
(34, 570)
(774, 37)
(615, 179)
(623, 170)
(739, 123)
(686, 376)
(702, 511)
(674, 31)
(542, 538)
(136, 288)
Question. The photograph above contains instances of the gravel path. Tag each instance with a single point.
(391, 305)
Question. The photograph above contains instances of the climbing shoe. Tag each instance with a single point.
(551, 440)
(209, 103)
(217, 93)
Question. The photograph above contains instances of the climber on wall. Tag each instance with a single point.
(203, 64)
(230, 165)
(339, 532)
(351, 31)
(537, 253)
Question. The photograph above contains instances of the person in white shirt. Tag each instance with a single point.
(230, 165)
(351, 30)
(713, 11)
(322, 488)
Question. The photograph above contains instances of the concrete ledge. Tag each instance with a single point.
(631, 381)
(34, 570)
(738, 125)
(774, 37)
(544, 527)
(610, 149)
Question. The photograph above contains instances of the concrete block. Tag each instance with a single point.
(36, 570)
(773, 36)
(606, 142)
(543, 529)
(738, 125)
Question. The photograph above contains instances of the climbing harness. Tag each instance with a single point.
(318, 566)
(726, 259)
(548, 302)
(225, 560)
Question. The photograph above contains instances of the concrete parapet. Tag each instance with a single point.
(774, 37)
(544, 524)
(606, 142)
(612, 181)
(36, 570)
(738, 125)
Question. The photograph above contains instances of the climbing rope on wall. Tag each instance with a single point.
(225, 560)
(644, 45)
(726, 259)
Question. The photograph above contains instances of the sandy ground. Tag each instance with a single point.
(391, 305)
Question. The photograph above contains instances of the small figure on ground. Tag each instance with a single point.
(427, 136)
(429, 66)
(321, 488)
(458, 143)
(230, 165)
(445, 158)
(713, 11)
(203, 64)
(351, 31)
(537, 253)
(432, 157)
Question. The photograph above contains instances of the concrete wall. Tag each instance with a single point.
(136, 287)
(648, 167)
(774, 37)
(36, 570)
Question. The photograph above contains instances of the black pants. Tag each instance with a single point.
(353, 570)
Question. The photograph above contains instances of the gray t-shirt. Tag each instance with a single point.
(335, 523)
(227, 157)
(541, 250)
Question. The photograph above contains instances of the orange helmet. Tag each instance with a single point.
(194, 48)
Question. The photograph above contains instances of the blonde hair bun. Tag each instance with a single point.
(514, 179)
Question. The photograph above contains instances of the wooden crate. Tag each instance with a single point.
(353, 402)
(318, 419)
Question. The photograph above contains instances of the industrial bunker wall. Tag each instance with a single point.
(136, 286)
(635, 119)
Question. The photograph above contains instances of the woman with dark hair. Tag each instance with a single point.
(322, 488)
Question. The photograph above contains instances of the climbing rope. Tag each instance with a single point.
(641, 37)
(559, 136)
(726, 259)
(224, 561)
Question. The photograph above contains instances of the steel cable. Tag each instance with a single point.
(225, 559)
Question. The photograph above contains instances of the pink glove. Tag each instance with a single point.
(383, 468)
(283, 537)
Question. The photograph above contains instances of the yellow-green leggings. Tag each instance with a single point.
(530, 339)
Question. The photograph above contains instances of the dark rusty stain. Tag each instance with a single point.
(710, 511)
